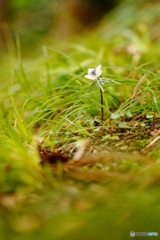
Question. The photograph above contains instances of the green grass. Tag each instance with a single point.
(47, 97)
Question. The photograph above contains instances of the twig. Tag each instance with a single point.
(154, 140)
(138, 86)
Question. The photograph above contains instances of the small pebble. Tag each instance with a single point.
(99, 165)
(124, 147)
(152, 133)
(94, 151)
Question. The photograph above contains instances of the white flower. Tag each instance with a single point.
(94, 73)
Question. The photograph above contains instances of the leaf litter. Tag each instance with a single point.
(109, 153)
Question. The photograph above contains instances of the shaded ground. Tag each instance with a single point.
(111, 151)
(106, 193)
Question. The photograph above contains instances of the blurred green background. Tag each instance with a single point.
(36, 20)
(45, 47)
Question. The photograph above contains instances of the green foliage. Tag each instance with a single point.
(47, 98)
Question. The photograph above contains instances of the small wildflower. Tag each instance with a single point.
(94, 73)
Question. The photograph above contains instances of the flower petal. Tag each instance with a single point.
(98, 68)
(91, 77)
(98, 73)
(90, 70)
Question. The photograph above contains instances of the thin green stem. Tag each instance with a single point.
(101, 104)
(101, 93)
